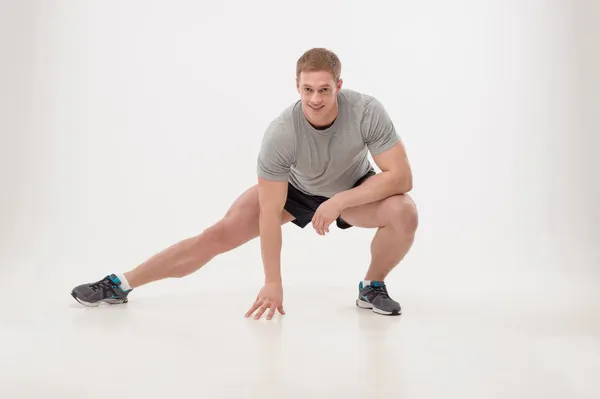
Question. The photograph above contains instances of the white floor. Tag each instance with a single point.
(196, 343)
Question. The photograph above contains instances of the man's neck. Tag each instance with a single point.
(323, 127)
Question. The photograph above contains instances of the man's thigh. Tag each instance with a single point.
(366, 215)
(377, 214)
(245, 210)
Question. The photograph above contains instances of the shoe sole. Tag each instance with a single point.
(95, 304)
(366, 305)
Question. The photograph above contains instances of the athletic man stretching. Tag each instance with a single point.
(313, 167)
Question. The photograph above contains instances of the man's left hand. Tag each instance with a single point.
(326, 213)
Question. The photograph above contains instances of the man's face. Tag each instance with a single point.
(318, 91)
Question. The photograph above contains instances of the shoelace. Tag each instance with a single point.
(380, 291)
(105, 283)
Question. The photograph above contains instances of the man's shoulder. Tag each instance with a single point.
(280, 131)
(356, 98)
(285, 119)
(278, 148)
(361, 103)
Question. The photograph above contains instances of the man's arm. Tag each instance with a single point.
(389, 154)
(272, 196)
(395, 178)
(275, 158)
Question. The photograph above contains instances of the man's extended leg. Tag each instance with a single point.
(238, 226)
(396, 220)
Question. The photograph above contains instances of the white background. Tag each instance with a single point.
(119, 121)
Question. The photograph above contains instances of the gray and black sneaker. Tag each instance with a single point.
(106, 290)
(375, 296)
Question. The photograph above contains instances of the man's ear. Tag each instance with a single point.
(339, 84)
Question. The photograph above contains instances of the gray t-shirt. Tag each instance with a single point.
(326, 162)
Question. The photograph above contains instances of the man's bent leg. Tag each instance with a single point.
(238, 226)
(396, 220)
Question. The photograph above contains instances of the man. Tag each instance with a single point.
(313, 168)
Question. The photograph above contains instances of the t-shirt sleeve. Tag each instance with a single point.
(378, 128)
(276, 154)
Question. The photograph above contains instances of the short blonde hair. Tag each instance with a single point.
(319, 59)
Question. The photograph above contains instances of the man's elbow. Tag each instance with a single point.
(406, 187)
(270, 211)
(404, 183)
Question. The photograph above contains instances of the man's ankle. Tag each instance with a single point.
(125, 284)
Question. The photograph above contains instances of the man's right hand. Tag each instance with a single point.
(272, 196)
(270, 297)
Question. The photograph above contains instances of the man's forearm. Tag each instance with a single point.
(375, 188)
(270, 243)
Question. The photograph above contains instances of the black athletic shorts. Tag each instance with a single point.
(303, 206)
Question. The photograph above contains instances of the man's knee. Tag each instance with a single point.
(401, 211)
(221, 236)
(215, 234)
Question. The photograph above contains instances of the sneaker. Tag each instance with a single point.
(106, 290)
(375, 296)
